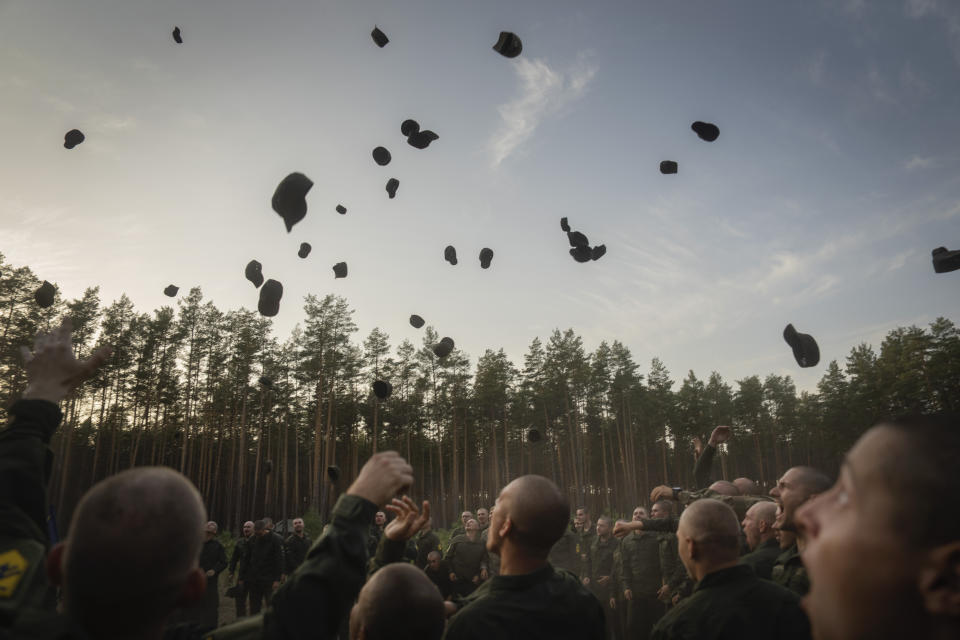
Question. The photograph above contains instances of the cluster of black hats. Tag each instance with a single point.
(580, 247)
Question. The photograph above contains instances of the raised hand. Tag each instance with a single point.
(383, 476)
(622, 529)
(52, 369)
(409, 519)
(720, 435)
(661, 492)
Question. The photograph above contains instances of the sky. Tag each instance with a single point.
(834, 176)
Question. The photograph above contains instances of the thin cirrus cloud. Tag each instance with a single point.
(544, 92)
(919, 162)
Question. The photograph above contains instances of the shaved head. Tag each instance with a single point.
(713, 526)
(134, 539)
(747, 486)
(725, 488)
(398, 603)
(538, 512)
(764, 512)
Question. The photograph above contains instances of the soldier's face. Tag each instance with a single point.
(380, 518)
(466, 515)
(581, 517)
(248, 529)
(751, 528)
(789, 494)
(472, 526)
(864, 575)
(640, 513)
(433, 562)
(298, 525)
(483, 517)
(603, 528)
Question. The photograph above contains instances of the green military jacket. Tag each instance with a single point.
(788, 571)
(564, 553)
(466, 558)
(763, 558)
(734, 604)
(545, 604)
(640, 564)
(599, 564)
(584, 543)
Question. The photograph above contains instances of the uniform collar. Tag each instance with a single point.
(725, 576)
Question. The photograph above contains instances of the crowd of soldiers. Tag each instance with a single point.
(875, 554)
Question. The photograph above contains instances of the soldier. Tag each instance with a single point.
(761, 538)
(296, 547)
(439, 573)
(426, 542)
(529, 599)
(795, 487)
(239, 561)
(641, 579)
(493, 560)
(213, 560)
(266, 566)
(461, 529)
(483, 519)
(586, 534)
(883, 545)
(598, 571)
(467, 560)
(729, 600)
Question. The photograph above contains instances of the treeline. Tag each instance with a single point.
(183, 389)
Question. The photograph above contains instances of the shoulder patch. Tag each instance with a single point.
(13, 566)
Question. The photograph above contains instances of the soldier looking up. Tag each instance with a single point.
(467, 560)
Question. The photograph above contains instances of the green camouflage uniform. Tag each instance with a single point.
(788, 571)
(763, 558)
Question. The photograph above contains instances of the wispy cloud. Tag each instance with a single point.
(947, 12)
(816, 67)
(919, 162)
(544, 92)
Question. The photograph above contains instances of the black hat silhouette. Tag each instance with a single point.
(805, 348)
(508, 45)
(44, 295)
(254, 273)
(290, 198)
(171, 291)
(706, 130)
(270, 294)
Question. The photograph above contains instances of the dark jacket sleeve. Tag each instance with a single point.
(235, 556)
(318, 596)
(25, 465)
(703, 467)
(388, 551)
(221, 560)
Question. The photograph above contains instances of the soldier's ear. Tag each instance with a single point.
(55, 565)
(194, 589)
(939, 581)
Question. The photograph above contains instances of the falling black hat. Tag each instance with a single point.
(333, 472)
(409, 127)
(304, 249)
(443, 348)
(598, 252)
(379, 37)
(176, 35)
(668, 167)
(268, 466)
(341, 209)
(486, 255)
(533, 435)
(450, 254)
(582, 254)
(340, 270)
(422, 139)
(266, 382)
(254, 273)
(270, 294)
(944, 260)
(73, 138)
(564, 225)
(382, 389)
(290, 198)
(416, 321)
(381, 156)
(44, 295)
(509, 45)
(706, 131)
(805, 348)
(577, 239)
(392, 185)
(171, 290)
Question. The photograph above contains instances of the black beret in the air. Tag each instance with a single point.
(706, 131)
(805, 348)
(409, 127)
(304, 249)
(382, 389)
(73, 138)
(341, 209)
(340, 270)
(381, 156)
(392, 185)
(598, 252)
(254, 273)
(564, 225)
(422, 139)
(379, 37)
(533, 435)
(171, 290)
(508, 45)
(443, 348)
(582, 254)
(486, 255)
(450, 254)
(44, 295)
(577, 239)
(416, 321)
(668, 167)
(270, 294)
(290, 198)
(176, 35)
(333, 472)
(944, 260)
